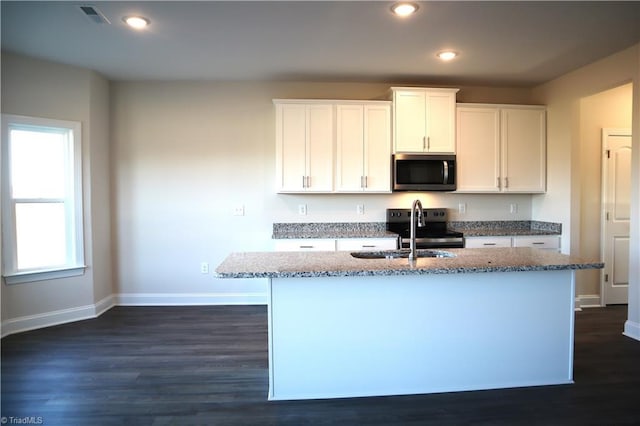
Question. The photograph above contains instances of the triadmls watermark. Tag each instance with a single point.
(23, 420)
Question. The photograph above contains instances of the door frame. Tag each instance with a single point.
(606, 132)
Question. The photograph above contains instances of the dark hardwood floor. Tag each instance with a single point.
(207, 365)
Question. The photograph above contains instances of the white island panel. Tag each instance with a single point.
(352, 336)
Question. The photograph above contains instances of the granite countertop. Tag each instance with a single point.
(332, 230)
(378, 229)
(506, 228)
(341, 263)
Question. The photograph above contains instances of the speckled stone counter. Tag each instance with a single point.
(331, 230)
(378, 229)
(498, 228)
(344, 327)
(342, 264)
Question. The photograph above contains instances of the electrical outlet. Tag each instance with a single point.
(360, 209)
(513, 208)
(238, 211)
(302, 209)
(204, 268)
(462, 208)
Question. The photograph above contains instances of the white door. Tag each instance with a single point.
(410, 121)
(377, 148)
(478, 149)
(523, 134)
(350, 147)
(616, 194)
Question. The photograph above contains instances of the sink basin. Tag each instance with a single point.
(395, 254)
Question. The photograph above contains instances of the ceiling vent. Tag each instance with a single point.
(94, 14)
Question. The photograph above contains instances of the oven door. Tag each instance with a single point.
(434, 242)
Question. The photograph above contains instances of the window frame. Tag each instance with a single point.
(74, 265)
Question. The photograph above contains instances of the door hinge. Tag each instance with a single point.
(608, 153)
(606, 278)
(607, 216)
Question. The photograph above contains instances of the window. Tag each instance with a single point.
(41, 199)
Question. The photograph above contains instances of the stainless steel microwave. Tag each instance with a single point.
(424, 172)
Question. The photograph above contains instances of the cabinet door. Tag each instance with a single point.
(523, 133)
(350, 148)
(440, 122)
(547, 242)
(366, 244)
(478, 149)
(305, 244)
(409, 120)
(291, 136)
(320, 140)
(487, 242)
(377, 148)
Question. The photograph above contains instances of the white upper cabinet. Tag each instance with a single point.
(424, 120)
(363, 147)
(478, 149)
(501, 148)
(523, 133)
(304, 146)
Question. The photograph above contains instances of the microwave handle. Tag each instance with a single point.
(445, 171)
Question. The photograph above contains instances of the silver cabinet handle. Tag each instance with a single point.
(537, 243)
(304, 181)
(488, 244)
(506, 182)
(498, 182)
(306, 247)
(428, 143)
(368, 245)
(366, 181)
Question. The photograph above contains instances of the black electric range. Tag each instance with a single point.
(433, 235)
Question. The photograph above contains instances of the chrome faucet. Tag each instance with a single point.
(417, 205)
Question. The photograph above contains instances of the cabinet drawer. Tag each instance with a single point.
(487, 242)
(354, 244)
(305, 244)
(544, 242)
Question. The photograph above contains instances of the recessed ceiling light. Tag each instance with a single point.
(404, 8)
(447, 55)
(137, 22)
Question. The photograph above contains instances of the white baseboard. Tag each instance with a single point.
(185, 299)
(632, 329)
(63, 316)
(589, 301)
(48, 319)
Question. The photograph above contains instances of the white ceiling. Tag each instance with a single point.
(500, 43)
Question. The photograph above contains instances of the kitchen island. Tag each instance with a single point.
(341, 326)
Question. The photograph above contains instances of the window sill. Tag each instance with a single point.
(43, 275)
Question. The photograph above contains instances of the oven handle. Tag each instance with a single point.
(445, 165)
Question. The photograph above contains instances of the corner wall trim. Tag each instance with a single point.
(632, 330)
(63, 316)
(589, 301)
(185, 299)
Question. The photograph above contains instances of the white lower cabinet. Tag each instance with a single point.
(487, 242)
(331, 244)
(366, 244)
(545, 242)
(305, 244)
